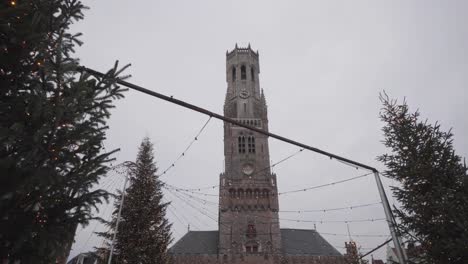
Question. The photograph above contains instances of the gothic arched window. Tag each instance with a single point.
(240, 193)
(251, 144)
(243, 72)
(269, 247)
(232, 193)
(241, 144)
(251, 247)
(233, 74)
(252, 74)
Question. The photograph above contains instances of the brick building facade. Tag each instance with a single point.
(249, 229)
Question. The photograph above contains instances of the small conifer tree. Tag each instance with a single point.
(144, 232)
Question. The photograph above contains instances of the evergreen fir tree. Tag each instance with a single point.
(433, 189)
(52, 126)
(144, 232)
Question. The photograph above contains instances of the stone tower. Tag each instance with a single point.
(248, 205)
(249, 230)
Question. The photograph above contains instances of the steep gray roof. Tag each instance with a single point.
(197, 242)
(293, 242)
(306, 242)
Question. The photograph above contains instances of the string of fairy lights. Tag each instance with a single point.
(205, 202)
(323, 210)
(193, 194)
(187, 148)
(189, 195)
(168, 186)
(194, 190)
(203, 211)
(121, 170)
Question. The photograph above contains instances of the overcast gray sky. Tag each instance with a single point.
(323, 64)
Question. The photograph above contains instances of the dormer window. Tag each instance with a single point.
(243, 72)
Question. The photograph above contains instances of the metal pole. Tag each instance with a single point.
(230, 120)
(401, 254)
(118, 220)
(379, 246)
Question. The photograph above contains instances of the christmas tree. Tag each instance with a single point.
(433, 189)
(144, 232)
(52, 127)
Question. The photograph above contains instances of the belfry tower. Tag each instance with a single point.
(248, 203)
(249, 230)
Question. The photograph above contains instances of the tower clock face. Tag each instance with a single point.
(244, 94)
(248, 169)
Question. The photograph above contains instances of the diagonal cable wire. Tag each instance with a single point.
(294, 220)
(330, 209)
(170, 208)
(334, 221)
(185, 209)
(353, 235)
(288, 157)
(208, 202)
(187, 148)
(168, 186)
(214, 186)
(325, 185)
(376, 248)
